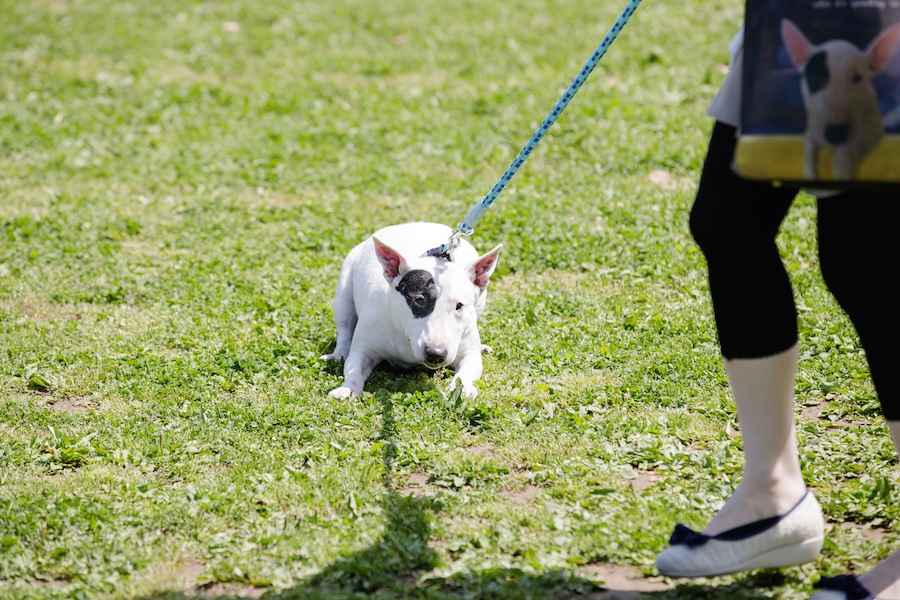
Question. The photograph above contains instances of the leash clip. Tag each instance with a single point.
(446, 249)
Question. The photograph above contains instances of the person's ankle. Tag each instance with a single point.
(753, 501)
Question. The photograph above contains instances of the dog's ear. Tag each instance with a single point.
(480, 271)
(798, 46)
(882, 49)
(391, 260)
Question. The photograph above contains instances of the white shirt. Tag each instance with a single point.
(726, 105)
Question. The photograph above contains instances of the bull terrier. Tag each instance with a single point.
(393, 303)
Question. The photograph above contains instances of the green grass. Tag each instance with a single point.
(180, 182)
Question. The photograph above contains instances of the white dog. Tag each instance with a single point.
(392, 303)
(841, 106)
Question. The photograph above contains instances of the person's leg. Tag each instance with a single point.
(858, 253)
(770, 520)
(771, 482)
(735, 223)
(883, 581)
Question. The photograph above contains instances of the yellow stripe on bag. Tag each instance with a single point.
(780, 158)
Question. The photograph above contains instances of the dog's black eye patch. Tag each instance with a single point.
(816, 72)
(418, 289)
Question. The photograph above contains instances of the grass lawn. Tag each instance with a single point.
(180, 182)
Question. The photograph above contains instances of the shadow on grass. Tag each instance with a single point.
(392, 567)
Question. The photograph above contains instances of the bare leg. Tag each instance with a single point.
(883, 581)
(772, 482)
(854, 247)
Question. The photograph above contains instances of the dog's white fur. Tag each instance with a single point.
(384, 280)
(841, 106)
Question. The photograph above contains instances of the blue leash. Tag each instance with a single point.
(467, 225)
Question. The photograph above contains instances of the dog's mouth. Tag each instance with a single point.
(435, 359)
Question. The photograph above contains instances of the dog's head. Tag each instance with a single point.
(836, 76)
(436, 301)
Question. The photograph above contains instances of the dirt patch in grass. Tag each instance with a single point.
(482, 449)
(53, 583)
(819, 412)
(524, 497)
(417, 485)
(230, 590)
(622, 582)
(71, 405)
(868, 533)
(644, 480)
(191, 572)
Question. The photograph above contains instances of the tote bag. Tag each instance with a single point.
(820, 103)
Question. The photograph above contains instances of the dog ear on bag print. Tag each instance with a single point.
(820, 104)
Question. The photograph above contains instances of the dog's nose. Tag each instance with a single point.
(435, 356)
(837, 134)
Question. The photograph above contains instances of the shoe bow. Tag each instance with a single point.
(687, 536)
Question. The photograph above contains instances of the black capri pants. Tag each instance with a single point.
(735, 222)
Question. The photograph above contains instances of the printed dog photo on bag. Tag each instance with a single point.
(821, 94)
(842, 111)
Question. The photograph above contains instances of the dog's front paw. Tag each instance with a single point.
(342, 392)
(469, 391)
(336, 357)
(485, 349)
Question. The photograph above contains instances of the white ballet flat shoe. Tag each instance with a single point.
(842, 587)
(793, 538)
